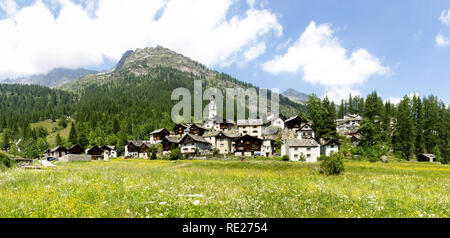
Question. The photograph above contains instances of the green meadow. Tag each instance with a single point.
(231, 189)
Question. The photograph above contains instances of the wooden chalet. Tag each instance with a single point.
(169, 143)
(190, 144)
(247, 145)
(56, 152)
(75, 150)
(179, 129)
(137, 149)
(294, 123)
(95, 152)
(306, 132)
(157, 136)
(111, 150)
(197, 130)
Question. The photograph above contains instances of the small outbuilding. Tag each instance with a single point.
(426, 158)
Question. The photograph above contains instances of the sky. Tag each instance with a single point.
(327, 47)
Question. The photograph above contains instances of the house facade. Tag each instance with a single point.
(247, 145)
(329, 146)
(294, 123)
(137, 149)
(251, 127)
(306, 132)
(56, 152)
(298, 149)
(277, 120)
(169, 143)
(95, 152)
(157, 136)
(221, 140)
(190, 144)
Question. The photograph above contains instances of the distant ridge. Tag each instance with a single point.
(296, 96)
(53, 78)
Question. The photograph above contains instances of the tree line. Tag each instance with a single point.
(413, 126)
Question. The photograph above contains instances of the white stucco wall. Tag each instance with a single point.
(311, 153)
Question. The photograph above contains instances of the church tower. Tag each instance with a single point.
(212, 108)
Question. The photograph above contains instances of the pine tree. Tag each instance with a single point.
(418, 123)
(59, 141)
(73, 138)
(328, 122)
(341, 111)
(404, 134)
(370, 129)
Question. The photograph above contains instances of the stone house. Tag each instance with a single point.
(297, 149)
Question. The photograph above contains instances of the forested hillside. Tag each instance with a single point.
(416, 125)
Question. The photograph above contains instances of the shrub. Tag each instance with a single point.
(302, 158)
(215, 152)
(175, 154)
(285, 158)
(332, 165)
(5, 161)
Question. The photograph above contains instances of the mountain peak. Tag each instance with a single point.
(139, 62)
(296, 96)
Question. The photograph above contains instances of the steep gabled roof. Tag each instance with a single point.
(58, 148)
(293, 118)
(247, 137)
(331, 142)
(250, 122)
(172, 139)
(302, 143)
(194, 138)
(158, 131)
(304, 127)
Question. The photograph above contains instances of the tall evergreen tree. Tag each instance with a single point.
(404, 134)
(418, 123)
(58, 141)
(73, 138)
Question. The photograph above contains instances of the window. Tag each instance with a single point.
(309, 149)
(296, 156)
(308, 155)
(295, 149)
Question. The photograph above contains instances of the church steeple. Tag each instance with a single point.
(212, 108)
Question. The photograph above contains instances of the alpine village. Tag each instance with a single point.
(126, 113)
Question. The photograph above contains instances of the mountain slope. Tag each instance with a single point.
(53, 78)
(134, 98)
(296, 96)
(149, 63)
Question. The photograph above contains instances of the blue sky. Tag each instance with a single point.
(336, 47)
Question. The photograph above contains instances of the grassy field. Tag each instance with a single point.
(143, 188)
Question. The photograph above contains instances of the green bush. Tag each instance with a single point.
(5, 161)
(332, 165)
(175, 154)
(285, 158)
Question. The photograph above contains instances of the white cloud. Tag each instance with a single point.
(445, 17)
(442, 41)
(83, 36)
(396, 101)
(322, 60)
(255, 51)
(337, 93)
(9, 7)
